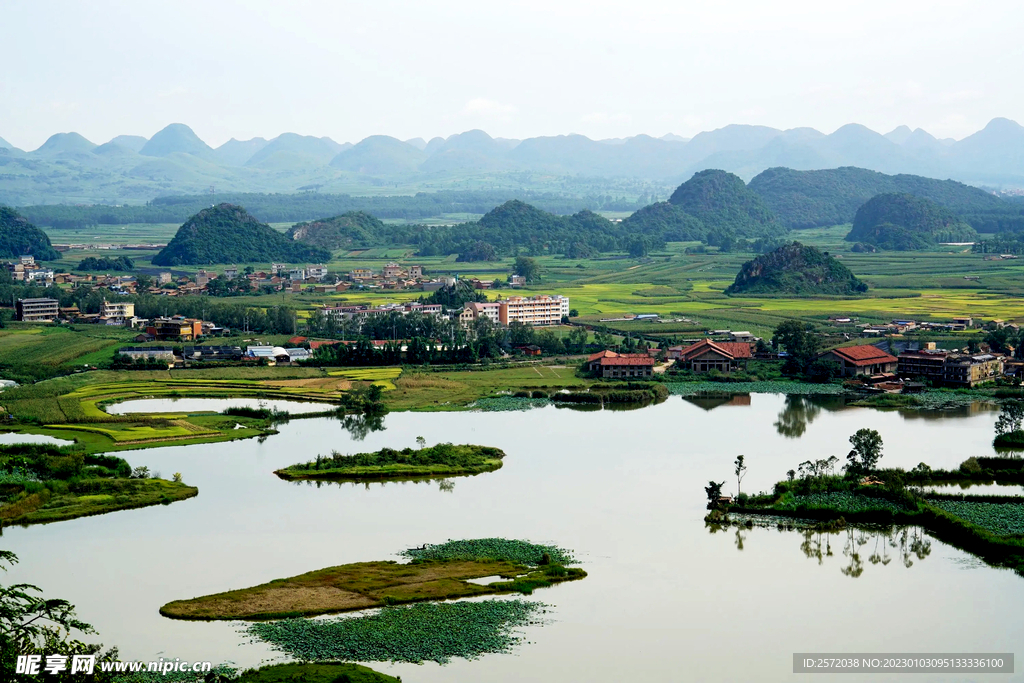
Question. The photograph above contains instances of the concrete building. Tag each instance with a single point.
(621, 365)
(37, 310)
(317, 272)
(861, 360)
(927, 363)
(536, 310)
(484, 309)
(969, 371)
(231, 272)
(416, 272)
(392, 270)
(177, 328)
(164, 353)
(707, 355)
(164, 278)
(120, 310)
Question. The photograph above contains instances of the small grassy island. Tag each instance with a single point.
(989, 526)
(442, 460)
(441, 572)
(41, 483)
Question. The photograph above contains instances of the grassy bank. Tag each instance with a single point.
(40, 484)
(441, 460)
(369, 584)
(991, 527)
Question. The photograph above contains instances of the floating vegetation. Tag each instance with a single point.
(1005, 519)
(424, 632)
(839, 500)
(693, 388)
(505, 403)
(522, 552)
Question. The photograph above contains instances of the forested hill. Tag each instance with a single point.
(18, 237)
(350, 230)
(303, 206)
(903, 222)
(713, 207)
(807, 199)
(796, 269)
(228, 234)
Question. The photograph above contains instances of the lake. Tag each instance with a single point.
(666, 599)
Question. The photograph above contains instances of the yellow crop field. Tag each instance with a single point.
(382, 377)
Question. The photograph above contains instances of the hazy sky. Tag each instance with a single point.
(514, 69)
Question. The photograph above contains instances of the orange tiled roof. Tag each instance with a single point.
(864, 355)
(732, 350)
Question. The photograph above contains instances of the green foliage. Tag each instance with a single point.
(839, 501)
(721, 202)
(323, 672)
(1003, 519)
(714, 492)
(808, 199)
(667, 222)
(527, 268)
(416, 633)
(867, 451)
(521, 552)
(446, 454)
(903, 222)
(229, 234)
(19, 237)
(110, 265)
(350, 230)
(796, 269)
(800, 343)
(1011, 416)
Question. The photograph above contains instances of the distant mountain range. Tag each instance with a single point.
(69, 168)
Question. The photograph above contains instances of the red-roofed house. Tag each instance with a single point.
(707, 355)
(621, 365)
(862, 360)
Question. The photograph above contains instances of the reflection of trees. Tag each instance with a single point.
(359, 425)
(739, 539)
(795, 416)
(909, 543)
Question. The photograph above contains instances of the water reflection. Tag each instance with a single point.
(359, 425)
(445, 483)
(707, 400)
(860, 547)
(798, 412)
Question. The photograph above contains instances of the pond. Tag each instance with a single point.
(665, 600)
(212, 405)
(8, 438)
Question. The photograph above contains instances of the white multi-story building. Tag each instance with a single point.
(118, 309)
(484, 309)
(317, 272)
(534, 310)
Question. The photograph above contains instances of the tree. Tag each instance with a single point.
(421, 442)
(741, 471)
(527, 268)
(714, 491)
(33, 625)
(143, 282)
(574, 313)
(867, 450)
(1010, 418)
(800, 343)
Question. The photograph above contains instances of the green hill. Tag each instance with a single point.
(347, 231)
(903, 222)
(668, 221)
(798, 270)
(228, 234)
(809, 199)
(18, 237)
(722, 202)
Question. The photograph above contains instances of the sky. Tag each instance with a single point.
(515, 69)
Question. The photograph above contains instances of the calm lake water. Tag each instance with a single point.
(666, 599)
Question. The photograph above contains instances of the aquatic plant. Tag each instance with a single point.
(435, 632)
(522, 552)
(1004, 519)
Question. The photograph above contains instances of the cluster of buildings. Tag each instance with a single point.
(27, 271)
(271, 355)
(395, 276)
(537, 311)
(613, 365)
(956, 324)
